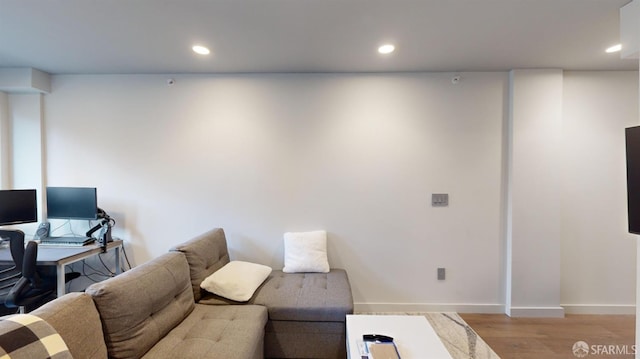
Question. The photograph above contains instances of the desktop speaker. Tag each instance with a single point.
(42, 231)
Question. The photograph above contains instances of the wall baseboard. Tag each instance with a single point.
(610, 309)
(541, 312)
(536, 312)
(428, 307)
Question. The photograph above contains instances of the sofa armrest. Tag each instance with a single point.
(75, 317)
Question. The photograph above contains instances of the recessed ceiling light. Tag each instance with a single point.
(386, 49)
(201, 50)
(614, 48)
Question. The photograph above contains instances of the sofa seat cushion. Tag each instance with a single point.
(230, 331)
(320, 297)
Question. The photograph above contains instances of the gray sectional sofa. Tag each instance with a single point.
(157, 310)
(307, 311)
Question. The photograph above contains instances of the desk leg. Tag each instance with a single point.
(60, 278)
(118, 260)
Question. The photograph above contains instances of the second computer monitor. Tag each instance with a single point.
(18, 206)
(72, 203)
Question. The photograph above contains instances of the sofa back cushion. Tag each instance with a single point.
(140, 306)
(76, 319)
(206, 254)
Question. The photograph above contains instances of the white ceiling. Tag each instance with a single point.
(155, 36)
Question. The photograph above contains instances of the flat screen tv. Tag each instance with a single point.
(72, 203)
(18, 206)
(632, 138)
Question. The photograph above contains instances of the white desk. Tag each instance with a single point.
(61, 256)
(413, 335)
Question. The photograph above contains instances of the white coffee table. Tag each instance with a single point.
(413, 335)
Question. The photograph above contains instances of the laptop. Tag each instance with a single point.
(66, 241)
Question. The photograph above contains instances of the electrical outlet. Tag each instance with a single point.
(441, 274)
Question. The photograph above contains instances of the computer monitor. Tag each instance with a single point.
(72, 203)
(632, 136)
(18, 206)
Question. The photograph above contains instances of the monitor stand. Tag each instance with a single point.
(104, 236)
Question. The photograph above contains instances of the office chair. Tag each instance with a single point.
(10, 275)
(30, 288)
(8, 278)
(16, 246)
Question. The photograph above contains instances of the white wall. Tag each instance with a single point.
(629, 25)
(534, 189)
(5, 141)
(357, 155)
(24, 158)
(598, 255)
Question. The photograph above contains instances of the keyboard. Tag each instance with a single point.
(66, 241)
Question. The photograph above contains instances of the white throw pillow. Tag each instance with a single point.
(305, 252)
(237, 280)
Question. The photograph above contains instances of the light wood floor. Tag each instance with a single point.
(553, 338)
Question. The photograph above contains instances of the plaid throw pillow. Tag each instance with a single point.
(29, 337)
